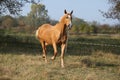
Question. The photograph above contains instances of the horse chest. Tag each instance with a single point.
(62, 39)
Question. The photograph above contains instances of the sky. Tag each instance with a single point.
(87, 10)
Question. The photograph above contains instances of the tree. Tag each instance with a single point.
(21, 21)
(14, 6)
(8, 21)
(105, 28)
(38, 15)
(94, 27)
(0, 20)
(117, 28)
(77, 24)
(114, 10)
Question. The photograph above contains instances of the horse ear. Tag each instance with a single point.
(71, 12)
(65, 11)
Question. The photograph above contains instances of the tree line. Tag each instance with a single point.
(81, 26)
(39, 15)
(36, 17)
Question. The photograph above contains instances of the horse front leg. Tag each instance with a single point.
(55, 51)
(63, 45)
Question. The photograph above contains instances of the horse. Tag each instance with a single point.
(48, 34)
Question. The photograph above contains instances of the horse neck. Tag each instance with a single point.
(61, 27)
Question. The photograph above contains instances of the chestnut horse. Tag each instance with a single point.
(53, 35)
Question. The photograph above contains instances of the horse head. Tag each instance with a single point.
(67, 19)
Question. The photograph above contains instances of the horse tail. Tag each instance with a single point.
(36, 34)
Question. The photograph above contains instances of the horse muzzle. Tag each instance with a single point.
(69, 26)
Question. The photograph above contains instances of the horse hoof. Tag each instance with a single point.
(43, 56)
(53, 58)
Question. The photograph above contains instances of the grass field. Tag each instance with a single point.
(20, 59)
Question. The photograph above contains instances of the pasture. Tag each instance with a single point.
(93, 57)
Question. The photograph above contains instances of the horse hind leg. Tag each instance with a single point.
(44, 50)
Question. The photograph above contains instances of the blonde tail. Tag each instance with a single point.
(36, 34)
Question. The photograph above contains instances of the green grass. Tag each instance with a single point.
(21, 59)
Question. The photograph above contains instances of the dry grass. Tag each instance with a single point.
(97, 66)
(19, 60)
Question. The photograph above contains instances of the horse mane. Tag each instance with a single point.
(62, 18)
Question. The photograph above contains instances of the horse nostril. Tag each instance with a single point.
(69, 26)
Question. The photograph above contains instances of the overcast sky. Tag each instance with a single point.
(87, 10)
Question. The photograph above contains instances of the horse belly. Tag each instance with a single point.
(47, 39)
